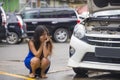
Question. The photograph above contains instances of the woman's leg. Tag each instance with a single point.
(35, 63)
(44, 65)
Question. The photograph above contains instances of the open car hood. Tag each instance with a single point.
(101, 5)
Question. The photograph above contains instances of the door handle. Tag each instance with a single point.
(54, 22)
(34, 22)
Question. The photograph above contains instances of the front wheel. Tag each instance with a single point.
(61, 35)
(20, 41)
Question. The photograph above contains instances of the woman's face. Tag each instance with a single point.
(43, 37)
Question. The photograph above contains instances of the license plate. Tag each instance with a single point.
(107, 52)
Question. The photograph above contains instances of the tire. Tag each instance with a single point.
(12, 38)
(20, 41)
(61, 35)
(80, 71)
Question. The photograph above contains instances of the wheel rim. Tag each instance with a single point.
(12, 38)
(61, 35)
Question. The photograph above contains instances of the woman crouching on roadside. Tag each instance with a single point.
(40, 49)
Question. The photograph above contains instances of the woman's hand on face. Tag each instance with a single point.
(48, 39)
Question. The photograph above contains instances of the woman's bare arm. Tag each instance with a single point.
(47, 48)
(38, 52)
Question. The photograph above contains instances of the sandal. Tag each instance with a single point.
(31, 75)
(43, 76)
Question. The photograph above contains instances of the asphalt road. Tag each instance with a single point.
(12, 57)
(12, 66)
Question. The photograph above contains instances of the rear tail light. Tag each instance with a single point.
(3, 20)
(20, 25)
(3, 23)
(78, 21)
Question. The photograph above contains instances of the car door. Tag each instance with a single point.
(2, 26)
(47, 17)
(31, 20)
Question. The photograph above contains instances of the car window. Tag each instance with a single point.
(30, 15)
(47, 14)
(66, 14)
(11, 18)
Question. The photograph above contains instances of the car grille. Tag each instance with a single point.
(102, 41)
(89, 56)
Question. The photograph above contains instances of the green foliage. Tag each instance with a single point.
(10, 5)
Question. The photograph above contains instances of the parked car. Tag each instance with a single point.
(3, 23)
(16, 28)
(96, 43)
(59, 21)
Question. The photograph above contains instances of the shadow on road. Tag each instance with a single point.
(110, 76)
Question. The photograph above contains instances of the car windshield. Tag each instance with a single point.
(108, 13)
(11, 18)
(30, 14)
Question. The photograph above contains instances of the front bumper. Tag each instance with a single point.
(81, 49)
(95, 65)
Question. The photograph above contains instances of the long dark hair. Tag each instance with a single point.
(36, 37)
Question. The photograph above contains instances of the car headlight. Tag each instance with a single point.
(79, 31)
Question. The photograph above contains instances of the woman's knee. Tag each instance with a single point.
(45, 61)
(35, 60)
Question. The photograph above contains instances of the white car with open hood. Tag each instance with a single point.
(95, 43)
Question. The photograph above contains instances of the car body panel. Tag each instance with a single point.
(17, 27)
(13, 24)
(95, 43)
(102, 5)
(80, 51)
(3, 23)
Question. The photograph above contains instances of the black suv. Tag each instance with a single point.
(16, 28)
(59, 21)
